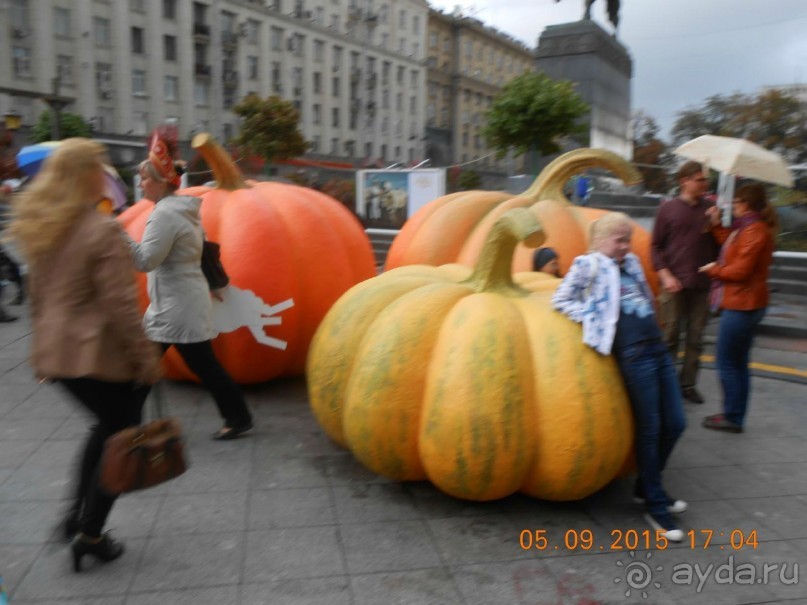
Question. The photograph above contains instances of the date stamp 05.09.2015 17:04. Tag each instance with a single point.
(632, 539)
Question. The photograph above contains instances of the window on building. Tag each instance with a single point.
(335, 117)
(384, 125)
(22, 61)
(334, 146)
(319, 50)
(170, 48)
(276, 38)
(201, 92)
(253, 29)
(64, 68)
(137, 6)
(316, 81)
(368, 149)
(277, 76)
(337, 58)
(335, 23)
(384, 40)
(402, 46)
(316, 143)
(139, 82)
(138, 44)
(316, 113)
(103, 79)
(401, 75)
(19, 15)
(433, 38)
(200, 54)
(413, 105)
(171, 88)
(399, 102)
(61, 22)
(169, 9)
(336, 85)
(383, 13)
(416, 24)
(383, 151)
(100, 28)
(402, 19)
(252, 67)
(140, 123)
(228, 25)
(350, 148)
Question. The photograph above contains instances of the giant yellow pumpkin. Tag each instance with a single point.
(453, 228)
(471, 381)
(278, 242)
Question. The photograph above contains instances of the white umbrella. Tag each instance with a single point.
(738, 157)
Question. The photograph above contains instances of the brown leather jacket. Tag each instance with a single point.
(745, 267)
(86, 322)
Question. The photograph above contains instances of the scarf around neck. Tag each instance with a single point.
(717, 287)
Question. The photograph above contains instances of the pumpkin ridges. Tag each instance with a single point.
(439, 240)
(383, 397)
(332, 356)
(412, 226)
(477, 420)
(304, 212)
(589, 402)
(471, 247)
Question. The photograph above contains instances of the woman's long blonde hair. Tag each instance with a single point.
(62, 190)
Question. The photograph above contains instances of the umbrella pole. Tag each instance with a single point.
(725, 196)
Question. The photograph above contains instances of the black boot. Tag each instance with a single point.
(68, 526)
(105, 549)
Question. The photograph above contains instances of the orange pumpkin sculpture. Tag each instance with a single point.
(278, 242)
(453, 228)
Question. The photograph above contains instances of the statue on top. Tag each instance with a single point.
(613, 12)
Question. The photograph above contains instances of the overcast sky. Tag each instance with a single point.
(683, 50)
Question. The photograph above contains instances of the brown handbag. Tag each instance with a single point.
(143, 456)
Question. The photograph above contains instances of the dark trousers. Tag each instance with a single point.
(201, 360)
(657, 411)
(116, 406)
(689, 307)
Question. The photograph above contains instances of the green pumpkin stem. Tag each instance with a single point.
(493, 269)
(553, 178)
(226, 173)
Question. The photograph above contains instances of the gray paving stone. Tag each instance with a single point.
(734, 482)
(467, 540)
(108, 600)
(190, 514)
(389, 546)
(26, 429)
(52, 578)
(300, 552)
(189, 561)
(433, 503)
(310, 591)
(36, 483)
(214, 476)
(426, 587)
(215, 595)
(28, 522)
(784, 516)
(133, 515)
(14, 453)
(16, 561)
(55, 453)
(270, 509)
(346, 470)
(364, 503)
(512, 582)
(269, 472)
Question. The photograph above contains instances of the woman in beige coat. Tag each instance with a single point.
(87, 331)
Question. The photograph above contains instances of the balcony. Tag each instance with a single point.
(201, 32)
(201, 70)
(230, 78)
(229, 39)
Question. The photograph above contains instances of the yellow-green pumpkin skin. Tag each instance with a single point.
(476, 385)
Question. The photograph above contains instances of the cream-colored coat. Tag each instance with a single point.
(86, 322)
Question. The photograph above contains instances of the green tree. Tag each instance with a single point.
(70, 125)
(532, 112)
(270, 128)
(774, 119)
(469, 179)
(650, 153)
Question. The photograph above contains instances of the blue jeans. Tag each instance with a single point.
(734, 338)
(655, 397)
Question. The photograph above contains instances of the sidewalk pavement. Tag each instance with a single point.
(285, 517)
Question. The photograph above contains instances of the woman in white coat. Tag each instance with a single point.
(180, 309)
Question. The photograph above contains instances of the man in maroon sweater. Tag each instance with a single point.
(682, 242)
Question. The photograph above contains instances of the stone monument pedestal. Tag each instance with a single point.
(601, 68)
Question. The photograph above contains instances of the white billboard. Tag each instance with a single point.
(385, 199)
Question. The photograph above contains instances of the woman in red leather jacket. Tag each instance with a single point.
(740, 290)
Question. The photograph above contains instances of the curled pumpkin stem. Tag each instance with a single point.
(550, 183)
(492, 272)
(226, 173)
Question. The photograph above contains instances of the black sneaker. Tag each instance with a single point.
(691, 394)
(663, 523)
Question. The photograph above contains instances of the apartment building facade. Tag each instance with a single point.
(468, 64)
(354, 68)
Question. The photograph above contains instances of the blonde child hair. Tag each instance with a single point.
(605, 226)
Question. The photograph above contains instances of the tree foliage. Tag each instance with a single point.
(532, 112)
(270, 128)
(70, 125)
(650, 153)
(774, 119)
(469, 180)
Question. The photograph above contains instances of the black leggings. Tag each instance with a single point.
(201, 360)
(116, 406)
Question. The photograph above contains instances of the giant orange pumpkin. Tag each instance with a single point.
(453, 228)
(470, 380)
(279, 242)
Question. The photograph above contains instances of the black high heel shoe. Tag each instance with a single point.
(106, 549)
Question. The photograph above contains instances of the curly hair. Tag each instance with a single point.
(46, 210)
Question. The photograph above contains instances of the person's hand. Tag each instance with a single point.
(669, 282)
(706, 268)
(713, 215)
